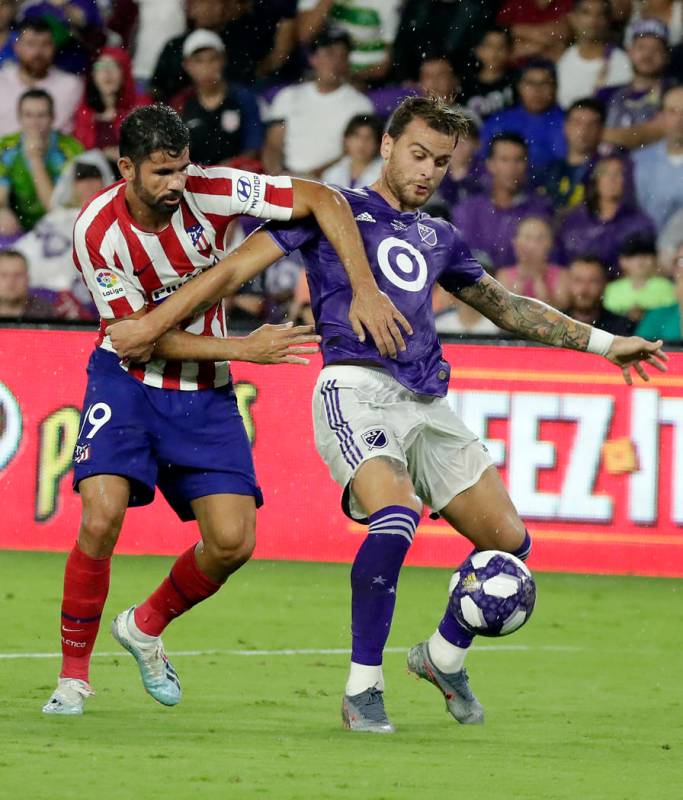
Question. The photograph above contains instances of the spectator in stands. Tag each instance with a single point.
(158, 22)
(658, 169)
(669, 12)
(361, 164)
(464, 176)
(666, 322)
(34, 69)
(169, 76)
(441, 28)
(8, 12)
(539, 28)
(16, 301)
(308, 121)
(607, 218)
(668, 241)
(32, 159)
(110, 94)
(223, 117)
(48, 247)
(564, 179)
(77, 27)
(592, 62)
(489, 221)
(371, 27)
(532, 274)
(438, 78)
(587, 282)
(488, 88)
(537, 119)
(641, 288)
(633, 110)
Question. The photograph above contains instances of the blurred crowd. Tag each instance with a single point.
(568, 186)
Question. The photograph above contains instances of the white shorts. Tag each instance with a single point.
(361, 412)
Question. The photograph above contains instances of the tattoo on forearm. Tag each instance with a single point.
(529, 318)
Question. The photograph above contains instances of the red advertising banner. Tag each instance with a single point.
(595, 467)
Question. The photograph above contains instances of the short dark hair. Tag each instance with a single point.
(330, 36)
(37, 94)
(505, 32)
(150, 128)
(590, 258)
(436, 112)
(606, 6)
(35, 24)
(588, 104)
(507, 136)
(638, 245)
(365, 121)
(544, 64)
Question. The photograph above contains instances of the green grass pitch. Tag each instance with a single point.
(586, 702)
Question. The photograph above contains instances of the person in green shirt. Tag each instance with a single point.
(667, 322)
(641, 288)
(31, 160)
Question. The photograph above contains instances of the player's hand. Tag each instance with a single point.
(633, 352)
(373, 311)
(132, 339)
(280, 344)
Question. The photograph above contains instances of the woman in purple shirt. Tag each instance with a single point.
(607, 217)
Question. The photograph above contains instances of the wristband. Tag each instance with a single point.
(600, 342)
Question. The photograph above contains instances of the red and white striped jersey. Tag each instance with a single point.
(126, 268)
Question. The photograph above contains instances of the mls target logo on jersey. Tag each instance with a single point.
(402, 264)
(375, 439)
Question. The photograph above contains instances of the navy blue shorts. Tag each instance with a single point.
(189, 444)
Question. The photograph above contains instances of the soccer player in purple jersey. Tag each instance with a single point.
(383, 425)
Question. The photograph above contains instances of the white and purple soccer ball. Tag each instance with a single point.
(492, 593)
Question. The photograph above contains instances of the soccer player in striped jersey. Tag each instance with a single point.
(173, 422)
(384, 426)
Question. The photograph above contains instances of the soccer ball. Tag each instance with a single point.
(492, 593)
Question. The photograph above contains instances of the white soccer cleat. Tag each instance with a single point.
(68, 698)
(158, 676)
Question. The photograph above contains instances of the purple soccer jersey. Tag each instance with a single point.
(409, 252)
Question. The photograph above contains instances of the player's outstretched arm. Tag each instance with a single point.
(134, 338)
(371, 310)
(269, 344)
(532, 319)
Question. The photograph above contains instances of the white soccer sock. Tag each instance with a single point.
(362, 677)
(446, 657)
(135, 632)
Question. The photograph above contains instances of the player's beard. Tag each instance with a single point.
(155, 204)
(400, 188)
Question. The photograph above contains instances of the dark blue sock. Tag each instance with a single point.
(374, 577)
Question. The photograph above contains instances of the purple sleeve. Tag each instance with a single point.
(290, 236)
(463, 268)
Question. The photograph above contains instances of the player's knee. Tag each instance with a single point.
(233, 544)
(99, 531)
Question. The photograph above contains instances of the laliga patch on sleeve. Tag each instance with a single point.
(110, 285)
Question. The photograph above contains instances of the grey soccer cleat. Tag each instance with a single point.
(158, 676)
(460, 702)
(365, 712)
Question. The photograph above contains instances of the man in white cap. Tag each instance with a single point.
(223, 118)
